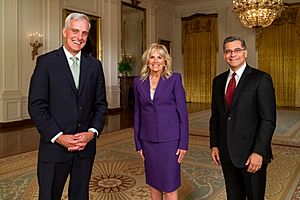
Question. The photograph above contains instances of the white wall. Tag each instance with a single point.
(19, 18)
(8, 89)
(15, 64)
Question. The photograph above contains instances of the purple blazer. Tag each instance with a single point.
(165, 118)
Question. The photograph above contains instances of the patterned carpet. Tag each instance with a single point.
(287, 130)
(118, 173)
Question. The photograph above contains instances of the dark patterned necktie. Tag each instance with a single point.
(230, 90)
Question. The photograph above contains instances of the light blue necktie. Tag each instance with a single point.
(75, 70)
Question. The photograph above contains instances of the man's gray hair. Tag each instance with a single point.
(76, 16)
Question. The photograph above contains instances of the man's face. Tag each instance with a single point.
(76, 35)
(235, 55)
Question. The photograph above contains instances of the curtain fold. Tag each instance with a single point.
(279, 54)
(199, 48)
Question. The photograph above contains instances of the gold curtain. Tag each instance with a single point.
(279, 54)
(199, 47)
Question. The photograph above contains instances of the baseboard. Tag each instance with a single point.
(113, 111)
(22, 123)
(29, 122)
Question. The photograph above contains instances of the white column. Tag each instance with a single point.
(111, 38)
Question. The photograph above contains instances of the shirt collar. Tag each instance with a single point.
(238, 72)
(69, 55)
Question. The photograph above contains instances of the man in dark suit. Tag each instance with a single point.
(68, 108)
(242, 123)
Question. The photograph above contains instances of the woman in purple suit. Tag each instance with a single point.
(160, 122)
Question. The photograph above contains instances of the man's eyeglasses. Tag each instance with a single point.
(236, 51)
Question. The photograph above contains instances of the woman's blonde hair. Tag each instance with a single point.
(163, 52)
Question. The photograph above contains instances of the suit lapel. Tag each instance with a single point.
(64, 65)
(242, 82)
(84, 64)
(223, 81)
(145, 88)
(160, 87)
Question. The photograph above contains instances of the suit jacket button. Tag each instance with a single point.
(78, 125)
(79, 107)
(229, 118)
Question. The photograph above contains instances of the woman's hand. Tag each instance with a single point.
(180, 153)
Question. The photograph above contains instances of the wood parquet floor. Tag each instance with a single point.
(24, 138)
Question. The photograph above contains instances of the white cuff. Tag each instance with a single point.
(93, 130)
(55, 137)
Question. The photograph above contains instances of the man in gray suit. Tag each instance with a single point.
(67, 102)
(242, 123)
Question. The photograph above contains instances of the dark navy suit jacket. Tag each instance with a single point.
(55, 105)
(250, 123)
(165, 118)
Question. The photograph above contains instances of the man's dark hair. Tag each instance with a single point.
(234, 38)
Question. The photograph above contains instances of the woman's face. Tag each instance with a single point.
(156, 62)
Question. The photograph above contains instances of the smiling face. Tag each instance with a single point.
(156, 62)
(235, 55)
(75, 36)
